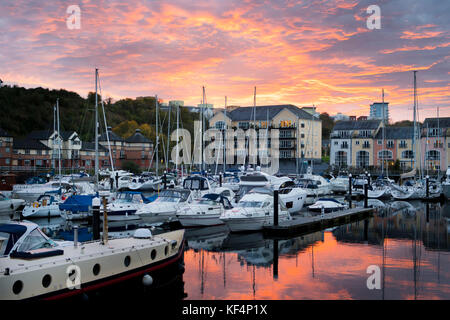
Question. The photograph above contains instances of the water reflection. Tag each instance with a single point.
(408, 241)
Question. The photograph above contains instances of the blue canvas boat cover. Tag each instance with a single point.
(77, 203)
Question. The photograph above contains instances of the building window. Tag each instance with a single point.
(7, 150)
(336, 143)
(357, 142)
(385, 154)
(341, 158)
(302, 135)
(403, 144)
(344, 145)
(243, 125)
(362, 159)
(7, 161)
(380, 142)
(285, 154)
(286, 124)
(27, 151)
(143, 155)
(366, 145)
(365, 133)
(390, 144)
(220, 125)
(434, 132)
(302, 125)
(433, 155)
(408, 154)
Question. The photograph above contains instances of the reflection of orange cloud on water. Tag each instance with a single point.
(328, 270)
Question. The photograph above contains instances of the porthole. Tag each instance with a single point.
(127, 261)
(17, 287)
(96, 269)
(46, 280)
(166, 250)
(153, 254)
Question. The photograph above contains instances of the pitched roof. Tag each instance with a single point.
(264, 112)
(138, 137)
(3, 133)
(46, 134)
(396, 133)
(434, 122)
(90, 146)
(111, 135)
(357, 125)
(28, 143)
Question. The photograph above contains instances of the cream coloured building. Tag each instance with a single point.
(300, 133)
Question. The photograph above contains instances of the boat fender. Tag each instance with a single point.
(147, 280)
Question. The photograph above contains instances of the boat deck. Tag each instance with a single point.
(301, 225)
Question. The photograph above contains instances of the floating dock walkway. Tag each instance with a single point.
(301, 225)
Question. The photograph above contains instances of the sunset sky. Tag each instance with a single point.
(299, 52)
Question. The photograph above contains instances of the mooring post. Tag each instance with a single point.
(428, 212)
(105, 221)
(165, 180)
(275, 259)
(427, 182)
(117, 181)
(366, 188)
(275, 207)
(96, 218)
(220, 179)
(75, 236)
(350, 191)
(366, 229)
(368, 179)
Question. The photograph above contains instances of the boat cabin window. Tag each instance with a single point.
(195, 184)
(137, 198)
(226, 193)
(2, 197)
(226, 203)
(250, 204)
(265, 204)
(3, 244)
(35, 240)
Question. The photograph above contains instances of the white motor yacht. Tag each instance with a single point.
(125, 205)
(165, 207)
(204, 212)
(446, 185)
(339, 184)
(328, 205)
(46, 205)
(254, 211)
(8, 206)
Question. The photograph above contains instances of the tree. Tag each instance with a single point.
(131, 167)
(327, 125)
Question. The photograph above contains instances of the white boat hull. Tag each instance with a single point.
(199, 220)
(41, 212)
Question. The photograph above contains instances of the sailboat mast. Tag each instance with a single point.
(383, 133)
(178, 122)
(224, 137)
(415, 120)
(157, 136)
(203, 127)
(254, 124)
(96, 131)
(59, 143)
(168, 140)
